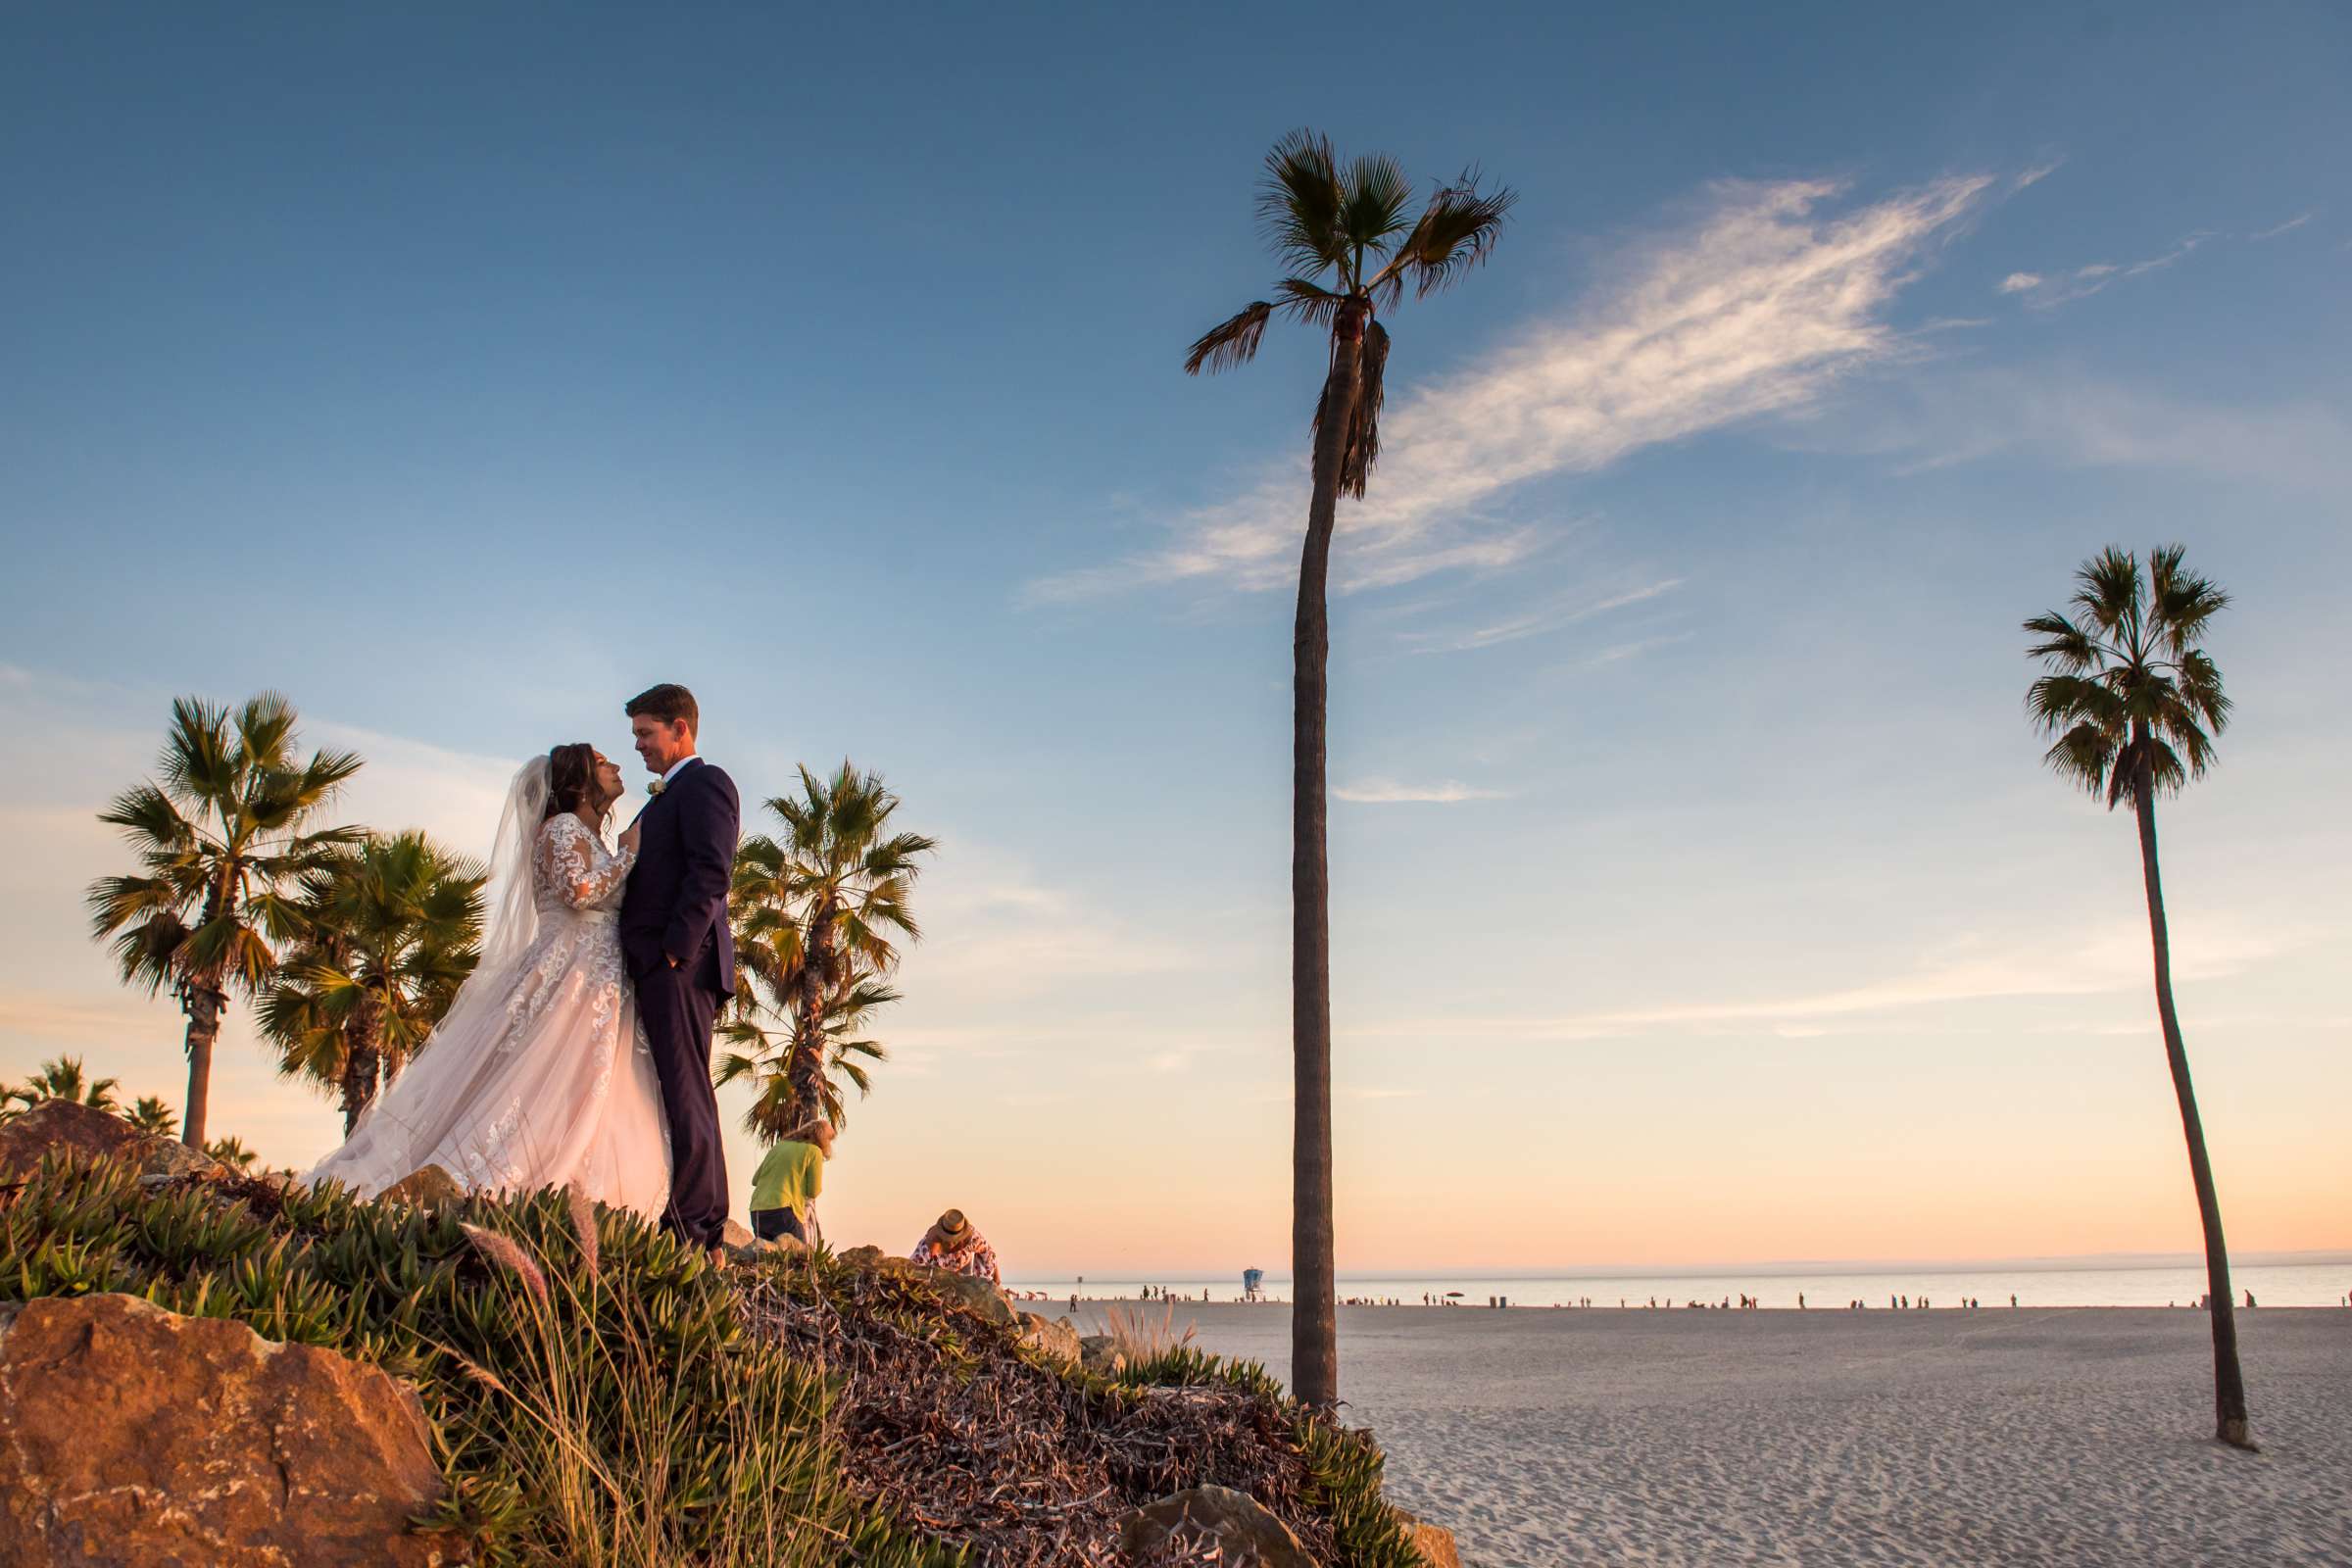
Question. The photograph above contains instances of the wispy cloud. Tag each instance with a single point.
(2044, 291)
(2287, 228)
(1754, 305)
(1387, 792)
(1963, 415)
(2037, 175)
(1561, 612)
(1969, 970)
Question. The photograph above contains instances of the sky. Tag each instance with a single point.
(1698, 894)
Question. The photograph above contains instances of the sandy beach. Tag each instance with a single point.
(2066, 1436)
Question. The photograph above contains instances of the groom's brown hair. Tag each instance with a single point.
(669, 703)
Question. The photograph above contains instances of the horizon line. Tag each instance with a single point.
(1774, 1268)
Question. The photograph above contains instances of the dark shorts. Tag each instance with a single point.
(774, 1224)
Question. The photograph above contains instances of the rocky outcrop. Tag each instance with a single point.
(1434, 1543)
(136, 1436)
(1052, 1337)
(1186, 1526)
(978, 1294)
(59, 1126)
(1100, 1353)
(429, 1188)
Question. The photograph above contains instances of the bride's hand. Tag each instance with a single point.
(630, 835)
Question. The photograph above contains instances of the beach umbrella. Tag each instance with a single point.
(1454, 1293)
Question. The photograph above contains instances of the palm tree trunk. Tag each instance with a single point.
(363, 1063)
(203, 1004)
(1315, 1312)
(808, 1067)
(2229, 1383)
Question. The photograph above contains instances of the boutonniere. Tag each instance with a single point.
(656, 786)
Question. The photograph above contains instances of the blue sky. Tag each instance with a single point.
(1697, 894)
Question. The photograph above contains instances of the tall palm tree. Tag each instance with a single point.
(65, 1079)
(2133, 705)
(818, 914)
(392, 929)
(1349, 246)
(221, 840)
(149, 1114)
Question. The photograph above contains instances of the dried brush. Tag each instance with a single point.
(508, 1253)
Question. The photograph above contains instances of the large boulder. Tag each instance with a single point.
(59, 1126)
(1434, 1543)
(1099, 1352)
(429, 1187)
(1052, 1337)
(1180, 1529)
(966, 1289)
(136, 1436)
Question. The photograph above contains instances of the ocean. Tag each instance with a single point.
(2299, 1283)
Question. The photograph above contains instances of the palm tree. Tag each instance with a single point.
(63, 1079)
(150, 1114)
(2133, 705)
(816, 913)
(392, 929)
(220, 841)
(233, 1152)
(1349, 248)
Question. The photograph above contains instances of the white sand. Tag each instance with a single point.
(1947, 1438)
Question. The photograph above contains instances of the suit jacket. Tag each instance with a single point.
(676, 902)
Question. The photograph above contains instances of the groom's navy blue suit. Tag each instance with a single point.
(681, 954)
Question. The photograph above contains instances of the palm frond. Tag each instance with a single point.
(1456, 232)
(1301, 201)
(1231, 342)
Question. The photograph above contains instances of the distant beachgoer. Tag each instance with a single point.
(955, 1244)
(2249, 1300)
(2012, 1298)
(785, 1187)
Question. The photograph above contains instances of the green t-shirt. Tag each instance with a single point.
(790, 1177)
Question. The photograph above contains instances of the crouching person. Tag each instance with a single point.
(955, 1244)
(785, 1187)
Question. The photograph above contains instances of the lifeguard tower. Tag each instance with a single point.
(1253, 1285)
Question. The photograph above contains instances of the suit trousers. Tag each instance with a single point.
(678, 1011)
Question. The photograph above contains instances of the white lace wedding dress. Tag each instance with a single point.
(539, 1075)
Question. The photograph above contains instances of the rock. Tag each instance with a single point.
(1434, 1543)
(737, 1237)
(140, 1437)
(1053, 1336)
(59, 1126)
(977, 1294)
(1244, 1532)
(1100, 1353)
(429, 1188)
(966, 1289)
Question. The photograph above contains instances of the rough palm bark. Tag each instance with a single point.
(203, 1004)
(1314, 1312)
(2230, 1425)
(362, 1061)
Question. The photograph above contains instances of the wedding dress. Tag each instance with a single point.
(538, 1075)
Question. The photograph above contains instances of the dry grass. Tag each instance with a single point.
(1136, 1334)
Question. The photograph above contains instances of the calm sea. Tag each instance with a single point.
(2300, 1284)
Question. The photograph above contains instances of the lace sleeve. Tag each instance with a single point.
(567, 859)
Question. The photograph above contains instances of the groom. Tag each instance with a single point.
(680, 952)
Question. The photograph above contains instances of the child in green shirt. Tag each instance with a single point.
(786, 1185)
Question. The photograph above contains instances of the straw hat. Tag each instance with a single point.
(954, 1227)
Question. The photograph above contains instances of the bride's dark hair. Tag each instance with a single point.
(571, 781)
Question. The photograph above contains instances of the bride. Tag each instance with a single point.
(538, 1075)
